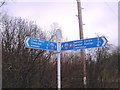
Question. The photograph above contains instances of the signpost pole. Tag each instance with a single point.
(59, 36)
(59, 65)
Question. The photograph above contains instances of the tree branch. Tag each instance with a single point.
(2, 3)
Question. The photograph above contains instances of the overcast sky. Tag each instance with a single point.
(99, 16)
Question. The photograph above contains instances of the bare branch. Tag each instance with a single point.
(2, 3)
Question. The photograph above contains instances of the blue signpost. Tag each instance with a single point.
(84, 43)
(71, 45)
(36, 43)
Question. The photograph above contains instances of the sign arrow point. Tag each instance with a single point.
(104, 41)
(26, 41)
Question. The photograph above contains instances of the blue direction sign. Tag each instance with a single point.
(67, 45)
(39, 44)
(84, 43)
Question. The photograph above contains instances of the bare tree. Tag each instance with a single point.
(16, 57)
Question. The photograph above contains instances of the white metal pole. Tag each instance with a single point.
(59, 65)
